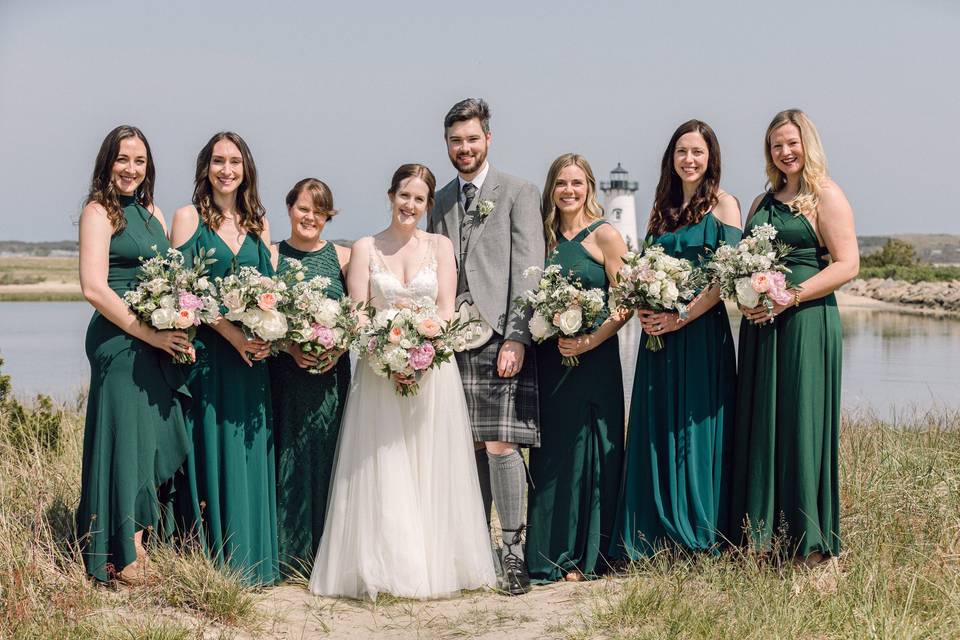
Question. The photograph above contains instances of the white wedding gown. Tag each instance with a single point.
(404, 515)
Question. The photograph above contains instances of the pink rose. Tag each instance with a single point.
(266, 281)
(780, 296)
(185, 318)
(267, 301)
(647, 275)
(779, 280)
(189, 301)
(323, 335)
(429, 328)
(760, 282)
(556, 319)
(372, 346)
(395, 335)
(421, 357)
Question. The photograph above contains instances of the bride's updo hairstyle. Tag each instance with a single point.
(414, 171)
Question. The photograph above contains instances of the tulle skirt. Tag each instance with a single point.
(404, 515)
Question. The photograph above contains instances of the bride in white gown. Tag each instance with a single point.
(404, 514)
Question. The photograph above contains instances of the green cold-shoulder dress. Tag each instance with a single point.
(575, 473)
(786, 439)
(306, 416)
(676, 477)
(229, 495)
(134, 437)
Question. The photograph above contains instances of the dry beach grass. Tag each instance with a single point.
(899, 575)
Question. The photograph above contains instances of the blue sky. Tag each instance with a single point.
(348, 91)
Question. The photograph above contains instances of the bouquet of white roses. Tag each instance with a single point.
(752, 271)
(252, 299)
(171, 295)
(409, 340)
(560, 305)
(318, 323)
(655, 281)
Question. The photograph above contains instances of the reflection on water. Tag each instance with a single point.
(892, 362)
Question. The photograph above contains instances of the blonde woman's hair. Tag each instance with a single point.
(814, 162)
(548, 208)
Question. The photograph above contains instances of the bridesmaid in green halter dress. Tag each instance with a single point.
(676, 481)
(788, 396)
(228, 497)
(307, 407)
(575, 474)
(134, 437)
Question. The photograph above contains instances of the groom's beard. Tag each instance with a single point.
(469, 164)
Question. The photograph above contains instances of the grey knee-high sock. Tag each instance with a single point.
(508, 483)
(483, 472)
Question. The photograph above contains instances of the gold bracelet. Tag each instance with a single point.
(796, 297)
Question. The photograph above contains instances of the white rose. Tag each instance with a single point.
(746, 295)
(672, 293)
(157, 285)
(168, 302)
(327, 312)
(539, 326)
(385, 317)
(654, 288)
(571, 320)
(338, 335)
(163, 318)
(406, 344)
(273, 325)
(251, 319)
(233, 302)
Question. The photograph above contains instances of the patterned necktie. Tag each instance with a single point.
(469, 193)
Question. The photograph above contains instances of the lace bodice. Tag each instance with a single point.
(388, 290)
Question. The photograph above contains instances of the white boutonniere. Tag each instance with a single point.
(484, 207)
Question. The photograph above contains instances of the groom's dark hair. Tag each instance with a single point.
(468, 109)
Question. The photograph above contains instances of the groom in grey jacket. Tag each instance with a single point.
(494, 222)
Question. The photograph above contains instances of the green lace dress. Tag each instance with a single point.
(576, 471)
(134, 437)
(229, 493)
(785, 473)
(676, 476)
(306, 415)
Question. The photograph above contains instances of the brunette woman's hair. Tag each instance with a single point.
(249, 208)
(102, 190)
(414, 171)
(669, 213)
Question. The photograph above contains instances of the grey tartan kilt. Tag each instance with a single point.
(501, 409)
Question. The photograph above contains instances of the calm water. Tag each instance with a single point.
(892, 362)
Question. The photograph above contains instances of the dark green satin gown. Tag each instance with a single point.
(676, 477)
(306, 416)
(787, 431)
(134, 437)
(229, 494)
(575, 472)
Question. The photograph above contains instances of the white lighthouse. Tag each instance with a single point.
(620, 210)
(619, 205)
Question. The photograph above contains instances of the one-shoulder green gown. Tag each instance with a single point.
(576, 471)
(676, 477)
(306, 416)
(134, 437)
(229, 497)
(785, 471)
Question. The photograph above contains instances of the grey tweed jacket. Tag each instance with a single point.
(504, 243)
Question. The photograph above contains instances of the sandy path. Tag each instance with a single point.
(295, 613)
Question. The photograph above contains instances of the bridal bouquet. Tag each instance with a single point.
(655, 281)
(560, 306)
(317, 323)
(252, 299)
(408, 341)
(752, 271)
(171, 295)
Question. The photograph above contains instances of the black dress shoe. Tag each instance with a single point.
(515, 577)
